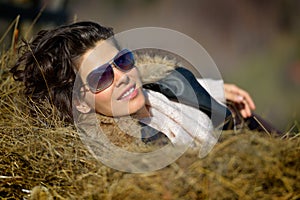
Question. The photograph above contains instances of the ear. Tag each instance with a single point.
(82, 106)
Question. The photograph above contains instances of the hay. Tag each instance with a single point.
(43, 158)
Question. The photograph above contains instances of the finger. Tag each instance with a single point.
(247, 98)
(243, 113)
(246, 110)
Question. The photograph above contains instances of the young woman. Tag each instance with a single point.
(111, 85)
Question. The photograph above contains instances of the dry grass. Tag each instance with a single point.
(46, 158)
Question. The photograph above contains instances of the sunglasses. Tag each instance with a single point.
(102, 77)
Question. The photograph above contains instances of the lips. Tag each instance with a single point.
(128, 93)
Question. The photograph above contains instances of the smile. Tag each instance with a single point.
(129, 94)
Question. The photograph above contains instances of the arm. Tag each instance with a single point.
(233, 94)
(182, 86)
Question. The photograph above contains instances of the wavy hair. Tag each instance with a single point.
(48, 63)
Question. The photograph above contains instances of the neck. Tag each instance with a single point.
(142, 113)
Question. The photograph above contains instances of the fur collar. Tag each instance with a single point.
(154, 67)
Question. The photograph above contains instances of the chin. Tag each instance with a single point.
(134, 108)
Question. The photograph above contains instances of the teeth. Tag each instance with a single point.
(128, 93)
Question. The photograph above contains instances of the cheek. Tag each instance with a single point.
(134, 73)
(100, 102)
(103, 103)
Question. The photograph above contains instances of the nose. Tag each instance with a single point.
(120, 77)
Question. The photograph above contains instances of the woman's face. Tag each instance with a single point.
(124, 96)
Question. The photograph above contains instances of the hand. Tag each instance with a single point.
(240, 98)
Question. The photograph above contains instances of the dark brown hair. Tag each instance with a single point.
(46, 64)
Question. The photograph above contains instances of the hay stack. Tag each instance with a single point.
(43, 158)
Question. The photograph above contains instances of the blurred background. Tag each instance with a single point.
(255, 43)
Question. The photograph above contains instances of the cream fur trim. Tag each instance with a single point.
(154, 68)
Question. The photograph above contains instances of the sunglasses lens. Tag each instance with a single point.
(100, 78)
(125, 61)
